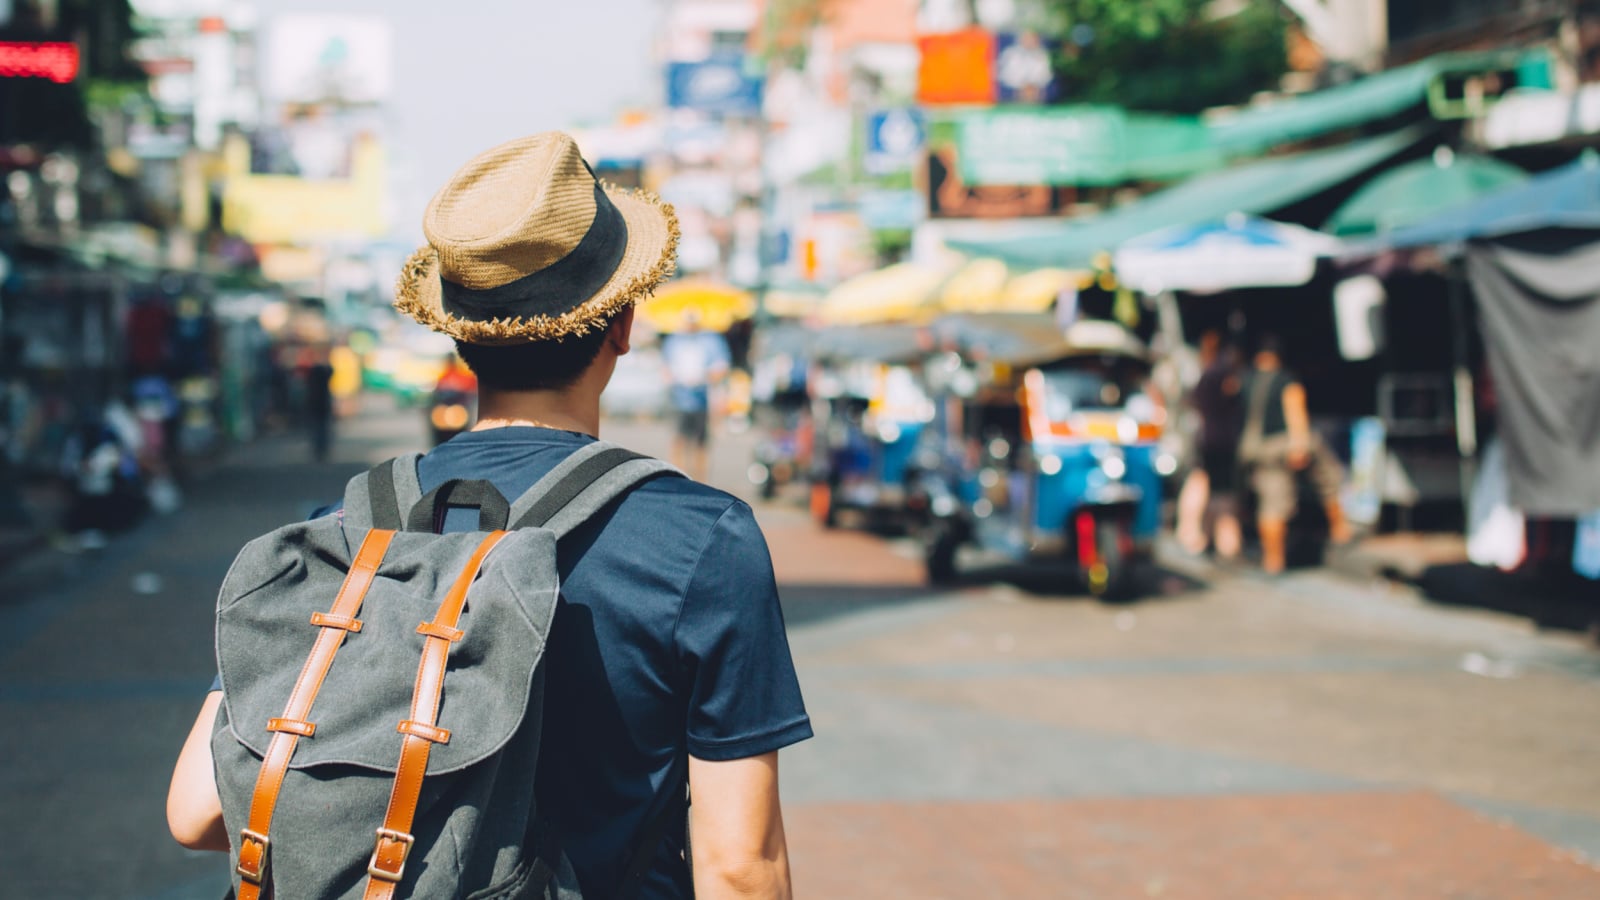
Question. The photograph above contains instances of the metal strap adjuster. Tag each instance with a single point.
(257, 873)
(399, 837)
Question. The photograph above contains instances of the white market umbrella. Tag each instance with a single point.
(1235, 252)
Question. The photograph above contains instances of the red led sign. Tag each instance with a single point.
(57, 61)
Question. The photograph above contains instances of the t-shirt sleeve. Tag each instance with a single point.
(744, 697)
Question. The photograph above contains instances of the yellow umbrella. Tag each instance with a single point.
(718, 305)
(894, 293)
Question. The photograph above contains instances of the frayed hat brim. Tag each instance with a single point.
(650, 258)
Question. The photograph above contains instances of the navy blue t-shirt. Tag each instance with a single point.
(668, 639)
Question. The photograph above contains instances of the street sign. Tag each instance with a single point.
(895, 139)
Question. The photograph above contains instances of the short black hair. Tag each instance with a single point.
(534, 366)
(1270, 343)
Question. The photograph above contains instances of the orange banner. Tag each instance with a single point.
(957, 68)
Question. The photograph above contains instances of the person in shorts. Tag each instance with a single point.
(1278, 443)
(695, 361)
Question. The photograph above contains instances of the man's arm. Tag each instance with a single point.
(194, 811)
(1299, 424)
(736, 829)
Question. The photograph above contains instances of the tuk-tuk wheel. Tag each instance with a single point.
(940, 544)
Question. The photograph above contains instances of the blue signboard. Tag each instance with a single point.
(1023, 72)
(895, 138)
(717, 86)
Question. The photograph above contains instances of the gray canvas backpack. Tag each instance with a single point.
(382, 691)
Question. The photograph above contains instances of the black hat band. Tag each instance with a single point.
(557, 288)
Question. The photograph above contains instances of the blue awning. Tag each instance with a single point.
(1568, 197)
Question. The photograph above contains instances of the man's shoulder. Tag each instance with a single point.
(674, 494)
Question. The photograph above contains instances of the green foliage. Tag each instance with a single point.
(786, 30)
(1178, 56)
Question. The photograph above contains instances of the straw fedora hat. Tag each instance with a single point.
(524, 244)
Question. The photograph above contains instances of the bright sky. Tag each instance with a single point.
(473, 73)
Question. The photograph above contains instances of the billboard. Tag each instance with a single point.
(719, 86)
(315, 57)
(1080, 145)
(957, 67)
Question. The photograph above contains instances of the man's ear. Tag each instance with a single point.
(620, 335)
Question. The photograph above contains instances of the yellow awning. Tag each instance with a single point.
(986, 285)
(718, 305)
(901, 292)
(977, 287)
(1035, 291)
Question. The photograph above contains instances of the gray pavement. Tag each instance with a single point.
(1313, 737)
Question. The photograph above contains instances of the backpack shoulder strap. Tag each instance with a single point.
(382, 496)
(582, 485)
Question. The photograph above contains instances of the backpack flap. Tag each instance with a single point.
(264, 634)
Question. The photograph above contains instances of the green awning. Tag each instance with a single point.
(1258, 188)
(1370, 99)
(1420, 190)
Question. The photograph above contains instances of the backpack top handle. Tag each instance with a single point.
(427, 514)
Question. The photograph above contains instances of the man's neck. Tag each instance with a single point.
(569, 410)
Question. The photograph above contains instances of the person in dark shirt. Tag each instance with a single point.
(668, 642)
(1210, 492)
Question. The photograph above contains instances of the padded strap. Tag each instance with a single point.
(382, 500)
(388, 863)
(254, 842)
(582, 485)
(380, 496)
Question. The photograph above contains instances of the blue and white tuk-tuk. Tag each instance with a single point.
(870, 408)
(1048, 449)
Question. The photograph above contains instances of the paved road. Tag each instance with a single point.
(1306, 738)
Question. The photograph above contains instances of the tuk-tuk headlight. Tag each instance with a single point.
(1050, 464)
(1128, 430)
(450, 417)
(1115, 467)
(1166, 464)
(944, 505)
(889, 432)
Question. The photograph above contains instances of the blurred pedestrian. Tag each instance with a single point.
(100, 460)
(665, 662)
(1277, 443)
(317, 372)
(1210, 491)
(696, 361)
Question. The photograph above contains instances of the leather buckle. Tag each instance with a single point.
(399, 837)
(257, 873)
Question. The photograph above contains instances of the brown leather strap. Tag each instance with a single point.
(254, 843)
(393, 845)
